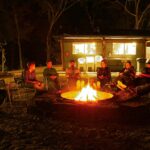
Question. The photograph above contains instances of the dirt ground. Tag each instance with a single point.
(21, 130)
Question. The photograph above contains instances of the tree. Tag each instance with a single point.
(92, 10)
(16, 24)
(54, 9)
(139, 9)
(18, 36)
(102, 15)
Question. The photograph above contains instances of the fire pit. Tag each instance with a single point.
(87, 94)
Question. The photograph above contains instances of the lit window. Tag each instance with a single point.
(124, 48)
(84, 48)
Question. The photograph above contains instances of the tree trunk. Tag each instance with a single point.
(137, 15)
(49, 42)
(3, 59)
(136, 23)
(18, 40)
(47, 48)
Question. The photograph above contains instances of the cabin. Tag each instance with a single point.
(89, 50)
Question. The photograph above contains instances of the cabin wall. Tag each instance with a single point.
(115, 62)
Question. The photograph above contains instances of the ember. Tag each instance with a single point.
(87, 94)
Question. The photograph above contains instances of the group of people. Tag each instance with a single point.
(126, 78)
(50, 78)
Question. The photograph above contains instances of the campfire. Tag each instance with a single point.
(87, 94)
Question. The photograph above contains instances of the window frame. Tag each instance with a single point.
(124, 50)
(84, 43)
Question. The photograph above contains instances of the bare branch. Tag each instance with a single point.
(143, 13)
(50, 10)
(137, 6)
(125, 7)
(64, 6)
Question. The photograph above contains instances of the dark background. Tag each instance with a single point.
(88, 17)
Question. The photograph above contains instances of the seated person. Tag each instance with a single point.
(146, 70)
(30, 77)
(127, 75)
(51, 78)
(103, 74)
(144, 77)
(73, 75)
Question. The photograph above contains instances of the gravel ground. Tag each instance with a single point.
(20, 130)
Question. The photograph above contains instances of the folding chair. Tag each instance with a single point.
(21, 94)
(5, 92)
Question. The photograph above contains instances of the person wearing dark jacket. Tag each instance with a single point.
(127, 74)
(103, 73)
(146, 69)
(73, 76)
(144, 77)
(51, 78)
(30, 77)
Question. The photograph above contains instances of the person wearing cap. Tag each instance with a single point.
(51, 78)
(103, 74)
(73, 75)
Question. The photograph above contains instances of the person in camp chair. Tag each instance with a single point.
(30, 77)
(144, 77)
(103, 74)
(126, 76)
(73, 76)
(51, 80)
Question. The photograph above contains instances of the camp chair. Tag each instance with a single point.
(22, 95)
(20, 80)
(5, 92)
(19, 92)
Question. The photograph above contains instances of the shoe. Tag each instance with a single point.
(121, 86)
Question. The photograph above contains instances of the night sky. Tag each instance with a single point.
(84, 17)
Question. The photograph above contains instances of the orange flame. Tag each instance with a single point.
(87, 94)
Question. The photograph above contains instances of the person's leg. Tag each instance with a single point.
(98, 85)
(78, 84)
(72, 84)
(82, 83)
(57, 84)
(51, 85)
(39, 87)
